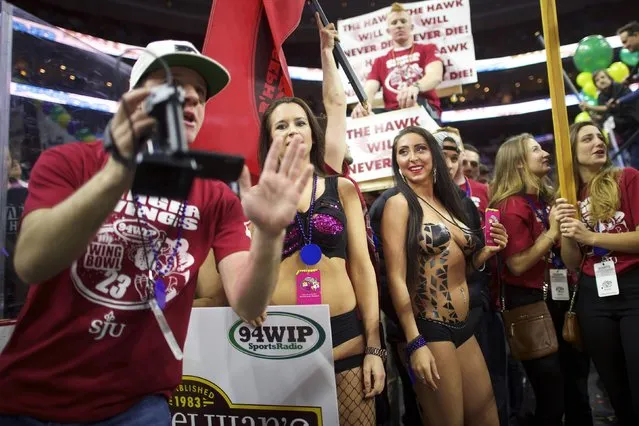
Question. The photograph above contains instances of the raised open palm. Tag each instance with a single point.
(271, 204)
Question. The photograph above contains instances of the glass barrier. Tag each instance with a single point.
(52, 93)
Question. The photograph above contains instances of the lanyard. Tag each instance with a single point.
(544, 211)
(469, 192)
(543, 217)
(598, 251)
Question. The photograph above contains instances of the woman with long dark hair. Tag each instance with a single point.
(523, 193)
(325, 257)
(429, 249)
(607, 234)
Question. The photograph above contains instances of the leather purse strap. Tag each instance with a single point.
(500, 285)
(580, 272)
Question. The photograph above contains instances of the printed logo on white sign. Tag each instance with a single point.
(267, 386)
(287, 336)
(445, 23)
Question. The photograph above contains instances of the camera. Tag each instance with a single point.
(164, 164)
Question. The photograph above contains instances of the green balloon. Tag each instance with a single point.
(593, 53)
(82, 134)
(629, 58)
(56, 111)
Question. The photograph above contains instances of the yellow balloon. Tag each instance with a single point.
(584, 78)
(590, 89)
(63, 120)
(618, 71)
(582, 116)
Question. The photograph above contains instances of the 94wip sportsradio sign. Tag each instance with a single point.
(280, 374)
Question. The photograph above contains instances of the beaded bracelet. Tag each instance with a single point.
(377, 352)
(414, 344)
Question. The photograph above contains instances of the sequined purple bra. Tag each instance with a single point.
(329, 225)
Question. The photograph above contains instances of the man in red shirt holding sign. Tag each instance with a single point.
(113, 273)
(408, 73)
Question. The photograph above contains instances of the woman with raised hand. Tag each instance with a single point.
(325, 257)
(428, 250)
(606, 232)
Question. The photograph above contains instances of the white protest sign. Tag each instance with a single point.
(279, 374)
(370, 140)
(444, 23)
(6, 330)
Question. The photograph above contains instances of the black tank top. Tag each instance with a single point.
(329, 225)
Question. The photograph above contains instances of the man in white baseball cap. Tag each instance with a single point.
(201, 77)
(452, 147)
(179, 54)
(86, 348)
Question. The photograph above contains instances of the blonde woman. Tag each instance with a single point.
(607, 233)
(522, 192)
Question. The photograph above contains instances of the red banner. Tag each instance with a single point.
(246, 37)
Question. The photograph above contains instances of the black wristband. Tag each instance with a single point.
(113, 150)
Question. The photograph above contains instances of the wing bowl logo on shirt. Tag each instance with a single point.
(114, 270)
(283, 336)
(199, 402)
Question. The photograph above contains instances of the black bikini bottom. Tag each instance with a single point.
(349, 363)
(345, 327)
(437, 331)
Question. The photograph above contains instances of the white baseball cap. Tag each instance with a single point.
(180, 54)
(442, 136)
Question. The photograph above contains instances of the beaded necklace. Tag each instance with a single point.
(310, 253)
(158, 290)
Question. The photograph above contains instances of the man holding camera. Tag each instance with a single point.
(113, 273)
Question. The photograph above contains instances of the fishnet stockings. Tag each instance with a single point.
(354, 410)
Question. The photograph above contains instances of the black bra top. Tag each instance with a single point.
(329, 225)
(435, 239)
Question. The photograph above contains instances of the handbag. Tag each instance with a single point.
(529, 328)
(571, 331)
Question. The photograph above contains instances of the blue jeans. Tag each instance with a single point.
(151, 411)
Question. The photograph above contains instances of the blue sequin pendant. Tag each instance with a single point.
(311, 254)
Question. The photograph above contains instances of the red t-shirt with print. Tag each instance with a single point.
(86, 347)
(400, 68)
(478, 192)
(524, 225)
(626, 219)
